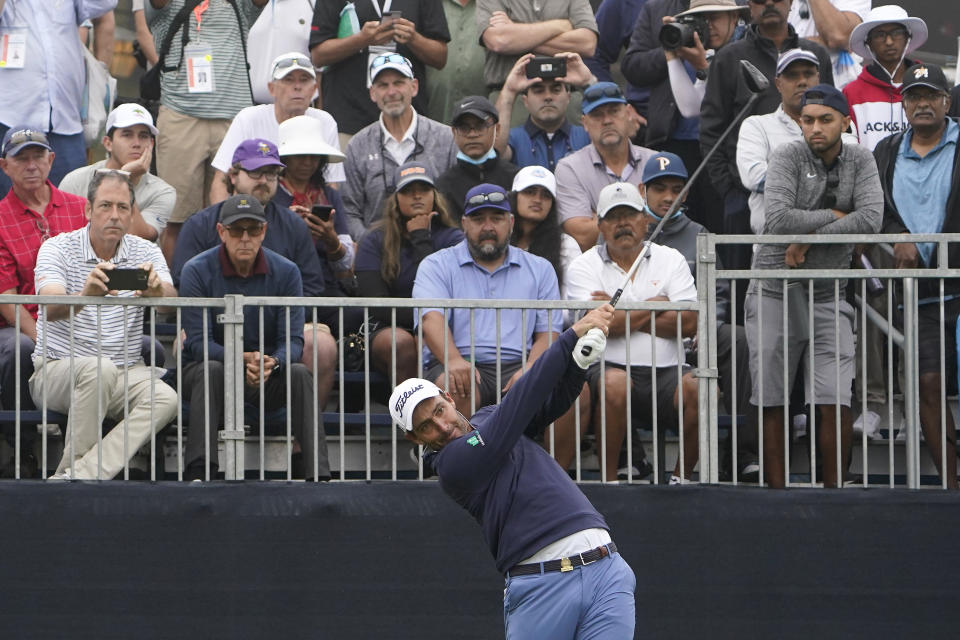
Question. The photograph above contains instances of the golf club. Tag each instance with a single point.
(757, 83)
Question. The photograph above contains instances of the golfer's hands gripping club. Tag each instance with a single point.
(592, 329)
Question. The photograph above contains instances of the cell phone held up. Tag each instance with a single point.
(127, 279)
(321, 211)
(546, 67)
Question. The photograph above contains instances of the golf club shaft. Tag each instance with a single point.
(676, 205)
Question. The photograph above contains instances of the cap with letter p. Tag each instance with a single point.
(405, 398)
(662, 165)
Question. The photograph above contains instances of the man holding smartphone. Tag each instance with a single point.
(88, 362)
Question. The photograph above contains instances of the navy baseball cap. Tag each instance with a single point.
(19, 138)
(601, 93)
(486, 196)
(412, 172)
(256, 153)
(827, 95)
(663, 165)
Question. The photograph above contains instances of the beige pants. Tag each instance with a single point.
(185, 148)
(97, 391)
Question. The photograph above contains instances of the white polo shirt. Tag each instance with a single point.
(664, 272)
(67, 260)
(260, 121)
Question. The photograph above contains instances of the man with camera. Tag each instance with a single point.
(544, 85)
(671, 54)
(88, 362)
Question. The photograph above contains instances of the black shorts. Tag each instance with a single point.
(641, 399)
(928, 332)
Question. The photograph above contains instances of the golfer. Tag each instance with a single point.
(564, 577)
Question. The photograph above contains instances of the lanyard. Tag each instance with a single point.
(386, 7)
(199, 10)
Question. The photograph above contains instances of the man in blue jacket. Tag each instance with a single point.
(240, 265)
(564, 577)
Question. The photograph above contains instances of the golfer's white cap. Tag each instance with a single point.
(405, 398)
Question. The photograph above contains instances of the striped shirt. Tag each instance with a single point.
(219, 32)
(67, 260)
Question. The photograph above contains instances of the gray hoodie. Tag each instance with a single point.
(796, 183)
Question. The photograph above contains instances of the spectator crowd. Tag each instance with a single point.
(468, 149)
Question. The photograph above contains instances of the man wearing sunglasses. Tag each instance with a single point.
(292, 86)
(920, 172)
(886, 37)
(476, 126)
(240, 264)
(825, 186)
(31, 212)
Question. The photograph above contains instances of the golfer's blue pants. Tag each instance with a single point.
(595, 601)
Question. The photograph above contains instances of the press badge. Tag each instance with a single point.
(199, 60)
(13, 48)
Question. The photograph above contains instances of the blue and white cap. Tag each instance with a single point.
(405, 398)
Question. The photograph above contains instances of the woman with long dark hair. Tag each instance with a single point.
(416, 222)
(536, 226)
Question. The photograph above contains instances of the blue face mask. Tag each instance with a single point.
(676, 213)
(489, 155)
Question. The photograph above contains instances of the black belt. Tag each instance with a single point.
(563, 564)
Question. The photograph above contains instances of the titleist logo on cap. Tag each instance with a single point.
(402, 400)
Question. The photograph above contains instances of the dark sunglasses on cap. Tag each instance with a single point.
(595, 93)
(301, 62)
(25, 135)
(494, 198)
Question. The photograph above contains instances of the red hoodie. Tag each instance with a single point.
(875, 105)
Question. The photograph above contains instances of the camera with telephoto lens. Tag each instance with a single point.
(674, 35)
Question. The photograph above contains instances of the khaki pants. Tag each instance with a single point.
(96, 391)
(185, 148)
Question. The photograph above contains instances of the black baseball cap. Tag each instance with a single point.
(241, 207)
(477, 106)
(924, 75)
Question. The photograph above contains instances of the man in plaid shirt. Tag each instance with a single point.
(31, 212)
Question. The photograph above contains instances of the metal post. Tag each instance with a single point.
(707, 406)
(911, 389)
(232, 435)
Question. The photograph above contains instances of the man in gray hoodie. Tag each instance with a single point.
(817, 185)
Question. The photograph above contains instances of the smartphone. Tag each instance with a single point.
(127, 279)
(390, 16)
(547, 67)
(322, 211)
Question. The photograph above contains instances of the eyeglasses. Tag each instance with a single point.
(237, 231)
(25, 135)
(301, 62)
(765, 1)
(43, 229)
(480, 127)
(897, 33)
(272, 175)
(387, 58)
(595, 92)
(493, 198)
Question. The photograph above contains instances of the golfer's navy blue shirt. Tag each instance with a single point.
(520, 496)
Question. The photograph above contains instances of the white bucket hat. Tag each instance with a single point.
(303, 136)
(886, 14)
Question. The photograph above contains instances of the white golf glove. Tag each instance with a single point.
(593, 341)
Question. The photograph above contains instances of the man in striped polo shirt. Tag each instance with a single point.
(88, 360)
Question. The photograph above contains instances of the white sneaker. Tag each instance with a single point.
(678, 480)
(62, 476)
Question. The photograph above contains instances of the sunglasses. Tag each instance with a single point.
(595, 93)
(829, 200)
(387, 58)
(43, 229)
(112, 172)
(493, 198)
(237, 231)
(301, 62)
(25, 135)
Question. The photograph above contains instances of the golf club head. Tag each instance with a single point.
(756, 81)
